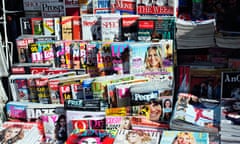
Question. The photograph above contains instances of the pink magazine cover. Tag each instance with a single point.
(49, 122)
(120, 57)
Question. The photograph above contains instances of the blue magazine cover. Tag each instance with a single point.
(175, 137)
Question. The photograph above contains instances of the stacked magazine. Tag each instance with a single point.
(192, 114)
(230, 114)
(193, 34)
(228, 39)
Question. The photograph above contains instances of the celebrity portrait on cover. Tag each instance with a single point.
(184, 138)
(153, 59)
(137, 137)
(61, 130)
(155, 110)
(11, 134)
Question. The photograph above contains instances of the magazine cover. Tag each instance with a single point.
(66, 25)
(49, 121)
(101, 6)
(77, 28)
(67, 47)
(59, 51)
(151, 60)
(200, 116)
(48, 52)
(25, 25)
(137, 136)
(76, 114)
(19, 133)
(118, 122)
(206, 83)
(175, 137)
(129, 27)
(120, 57)
(89, 123)
(110, 27)
(124, 7)
(91, 59)
(91, 27)
(20, 82)
(57, 28)
(119, 92)
(75, 54)
(104, 58)
(43, 90)
(22, 43)
(36, 55)
(48, 26)
(155, 7)
(230, 85)
(90, 136)
(37, 25)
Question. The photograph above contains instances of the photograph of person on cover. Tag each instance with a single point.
(184, 138)
(126, 123)
(155, 110)
(90, 140)
(167, 109)
(141, 3)
(61, 130)
(11, 134)
(153, 59)
(138, 137)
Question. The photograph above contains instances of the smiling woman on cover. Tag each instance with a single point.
(153, 59)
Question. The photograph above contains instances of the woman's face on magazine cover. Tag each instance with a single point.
(155, 111)
(134, 138)
(153, 58)
(184, 139)
(11, 132)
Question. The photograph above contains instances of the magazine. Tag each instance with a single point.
(110, 27)
(129, 27)
(98, 136)
(123, 7)
(172, 137)
(192, 114)
(137, 136)
(24, 133)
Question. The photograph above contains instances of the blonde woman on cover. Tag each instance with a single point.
(138, 137)
(11, 134)
(126, 123)
(153, 59)
(184, 138)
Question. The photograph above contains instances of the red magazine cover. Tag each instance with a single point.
(77, 28)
